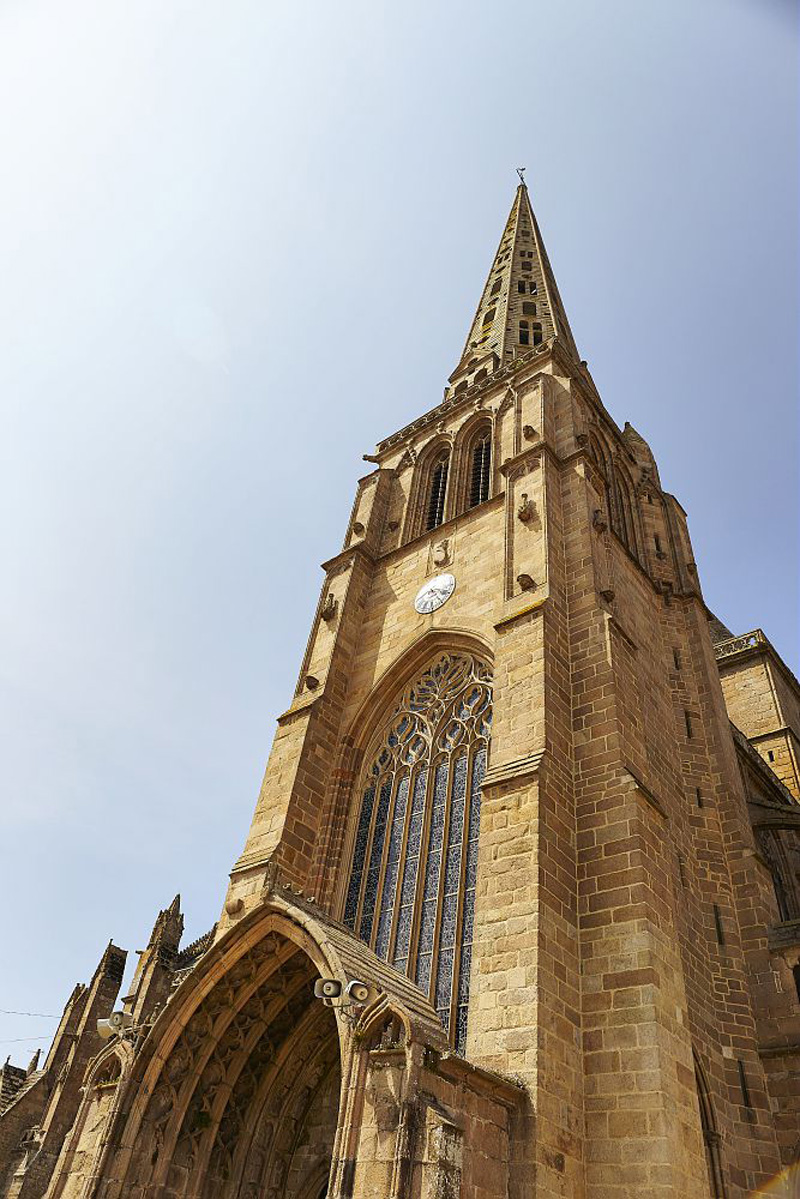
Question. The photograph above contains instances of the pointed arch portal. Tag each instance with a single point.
(246, 1104)
(236, 1091)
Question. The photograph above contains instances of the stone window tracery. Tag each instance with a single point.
(411, 890)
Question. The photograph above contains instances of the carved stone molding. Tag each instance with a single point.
(520, 464)
(517, 770)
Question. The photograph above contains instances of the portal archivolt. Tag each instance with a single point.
(246, 1103)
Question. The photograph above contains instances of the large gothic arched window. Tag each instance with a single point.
(411, 892)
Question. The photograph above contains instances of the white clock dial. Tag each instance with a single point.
(434, 593)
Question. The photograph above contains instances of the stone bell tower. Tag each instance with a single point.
(608, 879)
(518, 914)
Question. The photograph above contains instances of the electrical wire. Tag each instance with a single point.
(45, 1015)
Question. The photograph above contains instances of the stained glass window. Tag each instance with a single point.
(413, 872)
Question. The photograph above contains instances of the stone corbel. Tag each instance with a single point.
(526, 511)
(329, 608)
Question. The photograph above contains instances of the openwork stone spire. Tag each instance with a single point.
(520, 306)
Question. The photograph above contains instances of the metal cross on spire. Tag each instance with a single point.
(521, 172)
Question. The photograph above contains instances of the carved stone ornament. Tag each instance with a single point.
(528, 432)
(608, 594)
(599, 521)
(358, 528)
(312, 682)
(330, 607)
(506, 403)
(527, 509)
(271, 877)
(582, 438)
(441, 553)
(408, 459)
(526, 582)
(393, 526)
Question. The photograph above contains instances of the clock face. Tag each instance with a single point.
(434, 593)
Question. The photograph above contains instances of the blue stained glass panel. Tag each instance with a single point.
(456, 822)
(469, 918)
(403, 938)
(459, 789)
(374, 871)
(468, 915)
(427, 928)
(410, 867)
(463, 974)
(417, 814)
(409, 882)
(392, 866)
(452, 870)
(449, 915)
(472, 862)
(461, 1028)
(431, 890)
(478, 771)
(359, 854)
(444, 978)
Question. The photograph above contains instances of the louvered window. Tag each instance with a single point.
(411, 891)
(437, 490)
(480, 470)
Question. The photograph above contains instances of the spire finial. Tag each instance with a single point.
(521, 172)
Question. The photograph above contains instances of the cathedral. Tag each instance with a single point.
(518, 913)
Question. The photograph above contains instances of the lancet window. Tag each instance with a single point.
(437, 491)
(480, 465)
(411, 890)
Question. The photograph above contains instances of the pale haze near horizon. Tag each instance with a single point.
(240, 243)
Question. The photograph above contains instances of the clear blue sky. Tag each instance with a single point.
(240, 242)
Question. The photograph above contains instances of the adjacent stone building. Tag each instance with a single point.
(533, 813)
